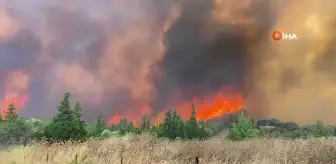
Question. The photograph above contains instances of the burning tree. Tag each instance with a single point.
(10, 114)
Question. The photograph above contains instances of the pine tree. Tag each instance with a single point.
(144, 124)
(166, 126)
(10, 114)
(131, 128)
(122, 126)
(80, 128)
(65, 104)
(125, 127)
(67, 124)
(173, 126)
(78, 111)
(1, 118)
(192, 127)
(101, 125)
(14, 129)
(179, 125)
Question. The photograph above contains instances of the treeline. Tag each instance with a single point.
(69, 125)
(291, 130)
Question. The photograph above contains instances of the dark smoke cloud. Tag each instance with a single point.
(20, 51)
(195, 65)
(297, 82)
(203, 54)
(75, 33)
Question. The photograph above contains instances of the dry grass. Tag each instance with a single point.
(148, 149)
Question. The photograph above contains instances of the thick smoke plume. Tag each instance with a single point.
(296, 79)
(124, 58)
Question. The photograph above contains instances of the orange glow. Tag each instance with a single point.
(207, 108)
(19, 102)
(115, 119)
(131, 117)
(8, 25)
(212, 107)
(16, 83)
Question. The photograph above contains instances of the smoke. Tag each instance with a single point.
(98, 51)
(297, 82)
(207, 48)
(125, 58)
(101, 52)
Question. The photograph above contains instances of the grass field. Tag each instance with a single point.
(146, 149)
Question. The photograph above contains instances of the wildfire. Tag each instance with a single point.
(131, 117)
(19, 102)
(213, 107)
(207, 108)
(15, 90)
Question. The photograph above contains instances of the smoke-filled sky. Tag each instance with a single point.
(122, 57)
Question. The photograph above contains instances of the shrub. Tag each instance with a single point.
(243, 129)
(13, 130)
(108, 134)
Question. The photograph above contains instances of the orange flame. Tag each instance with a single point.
(207, 108)
(19, 102)
(15, 90)
(132, 118)
(213, 107)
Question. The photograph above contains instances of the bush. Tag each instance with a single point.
(243, 129)
(319, 130)
(209, 131)
(108, 134)
(36, 129)
(271, 122)
(13, 132)
(301, 134)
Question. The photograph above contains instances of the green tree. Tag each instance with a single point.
(36, 128)
(195, 129)
(67, 124)
(79, 123)
(78, 112)
(13, 129)
(192, 127)
(203, 132)
(172, 127)
(243, 129)
(112, 127)
(1, 118)
(101, 125)
(125, 127)
(179, 125)
(144, 124)
(319, 130)
(13, 132)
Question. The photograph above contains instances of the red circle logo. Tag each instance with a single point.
(277, 35)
